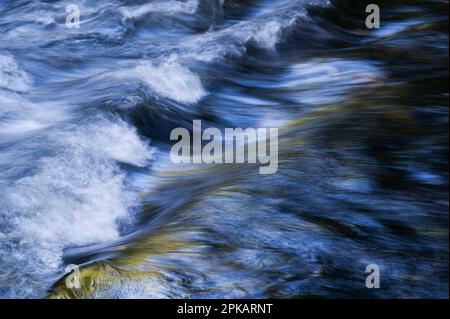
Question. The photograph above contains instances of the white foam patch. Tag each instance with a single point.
(20, 126)
(170, 80)
(167, 7)
(78, 196)
(265, 31)
(12, 77)
(116, 141)
(268, 36)
(19, 116)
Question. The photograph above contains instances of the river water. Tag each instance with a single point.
(86, 178)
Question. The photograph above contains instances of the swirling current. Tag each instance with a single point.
(86, 178)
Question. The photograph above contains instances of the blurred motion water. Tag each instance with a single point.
(85, 174)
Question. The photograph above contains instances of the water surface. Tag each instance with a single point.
(85, 174)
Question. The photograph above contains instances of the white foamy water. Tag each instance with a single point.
(19, 116)
(269, 34)
(164, 7)
(12, 77)
(263, 31)
(78, 196)
(170, 80)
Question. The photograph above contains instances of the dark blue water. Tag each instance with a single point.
(86, 178)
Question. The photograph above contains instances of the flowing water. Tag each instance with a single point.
(86, 178)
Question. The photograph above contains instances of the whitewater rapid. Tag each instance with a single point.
(85, 119)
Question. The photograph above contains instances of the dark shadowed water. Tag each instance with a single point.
(86, 178)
